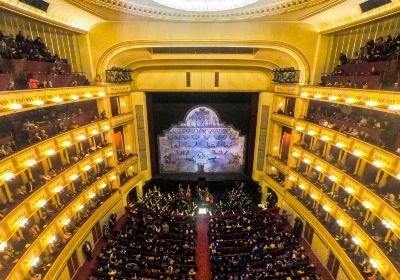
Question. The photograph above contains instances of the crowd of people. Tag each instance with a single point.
(172, 203)
(234, 202)
(23, 129)
(374, 50)
(358, 123)
(149, 245)
(256, 246)
(356, 254)
(25, 47)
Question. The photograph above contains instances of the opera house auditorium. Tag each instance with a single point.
(200, 139)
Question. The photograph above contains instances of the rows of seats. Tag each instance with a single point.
(27, 63)
(374, 127)
(149, 246)
(20, 130)
(356, 254)
(256, 246)
(370, 68)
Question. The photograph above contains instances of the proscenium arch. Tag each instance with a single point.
(295, 53)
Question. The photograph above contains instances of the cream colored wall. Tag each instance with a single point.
(292, 37)
(201, 79)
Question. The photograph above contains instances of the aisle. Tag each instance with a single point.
(202, 250)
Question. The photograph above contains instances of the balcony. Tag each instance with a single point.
(24, 100)
(349, 223)
(121, 119)
(283, 119)
(323, 232)
(389, 162)
(9, 225)
(79, 209)
(291, 89)
(384, 100)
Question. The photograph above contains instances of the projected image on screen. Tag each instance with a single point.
(201, 143)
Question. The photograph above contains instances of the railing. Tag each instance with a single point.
(24, 100)
(351, 226)
(60, 263)
(323, 233)
(41, 243)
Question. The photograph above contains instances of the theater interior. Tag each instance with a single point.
(199, 139)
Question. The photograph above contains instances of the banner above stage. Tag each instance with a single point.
(201, 143)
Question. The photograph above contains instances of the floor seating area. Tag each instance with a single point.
(150, 246)
(256, 246)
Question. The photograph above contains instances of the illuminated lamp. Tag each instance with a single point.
(123, 104)
(291, 178)
(281, 104)
(66, 144)
(306, 160)
(74, 97)
(58, 189)
(304, 95)
(350, 100)
(302, 187)
(23, 222)
(326, 208)
(128, 147)
(91, 195)
(313, 196)
(88, 95)
(371, 103)
(377, 163)
(30, 162)
(52, 239)
(3, 246)
(332, 178)
(34, 261)
(295, 154)
(37, 102)
(387, 224)
(311, 132)
(349, 190)
(398, 176)
(66, 222)
(80, 207)
(356, 240)
(87, 168)
(41, 203)
(105, 128)
(299, 128)
(367, 204)
(73, 177)
(325, 138)
(317, 96)
(340, 144)
(57, 99)
(332, 98)
(357, 153)
(7, 176)
(319, 168)
(374, 263)
(275, 148)
(395, 107)
(112, 178)
(94, 131)
(110, 153)
(81, 137)
(102, 186)
(340, 223)
(15, 106)
(273, 168)
(50, 152)
(98, 160)
(102, 94)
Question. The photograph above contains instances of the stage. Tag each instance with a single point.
(201, 177)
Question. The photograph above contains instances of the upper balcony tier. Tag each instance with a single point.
(23, 100)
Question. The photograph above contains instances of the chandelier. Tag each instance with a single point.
(205, 5)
